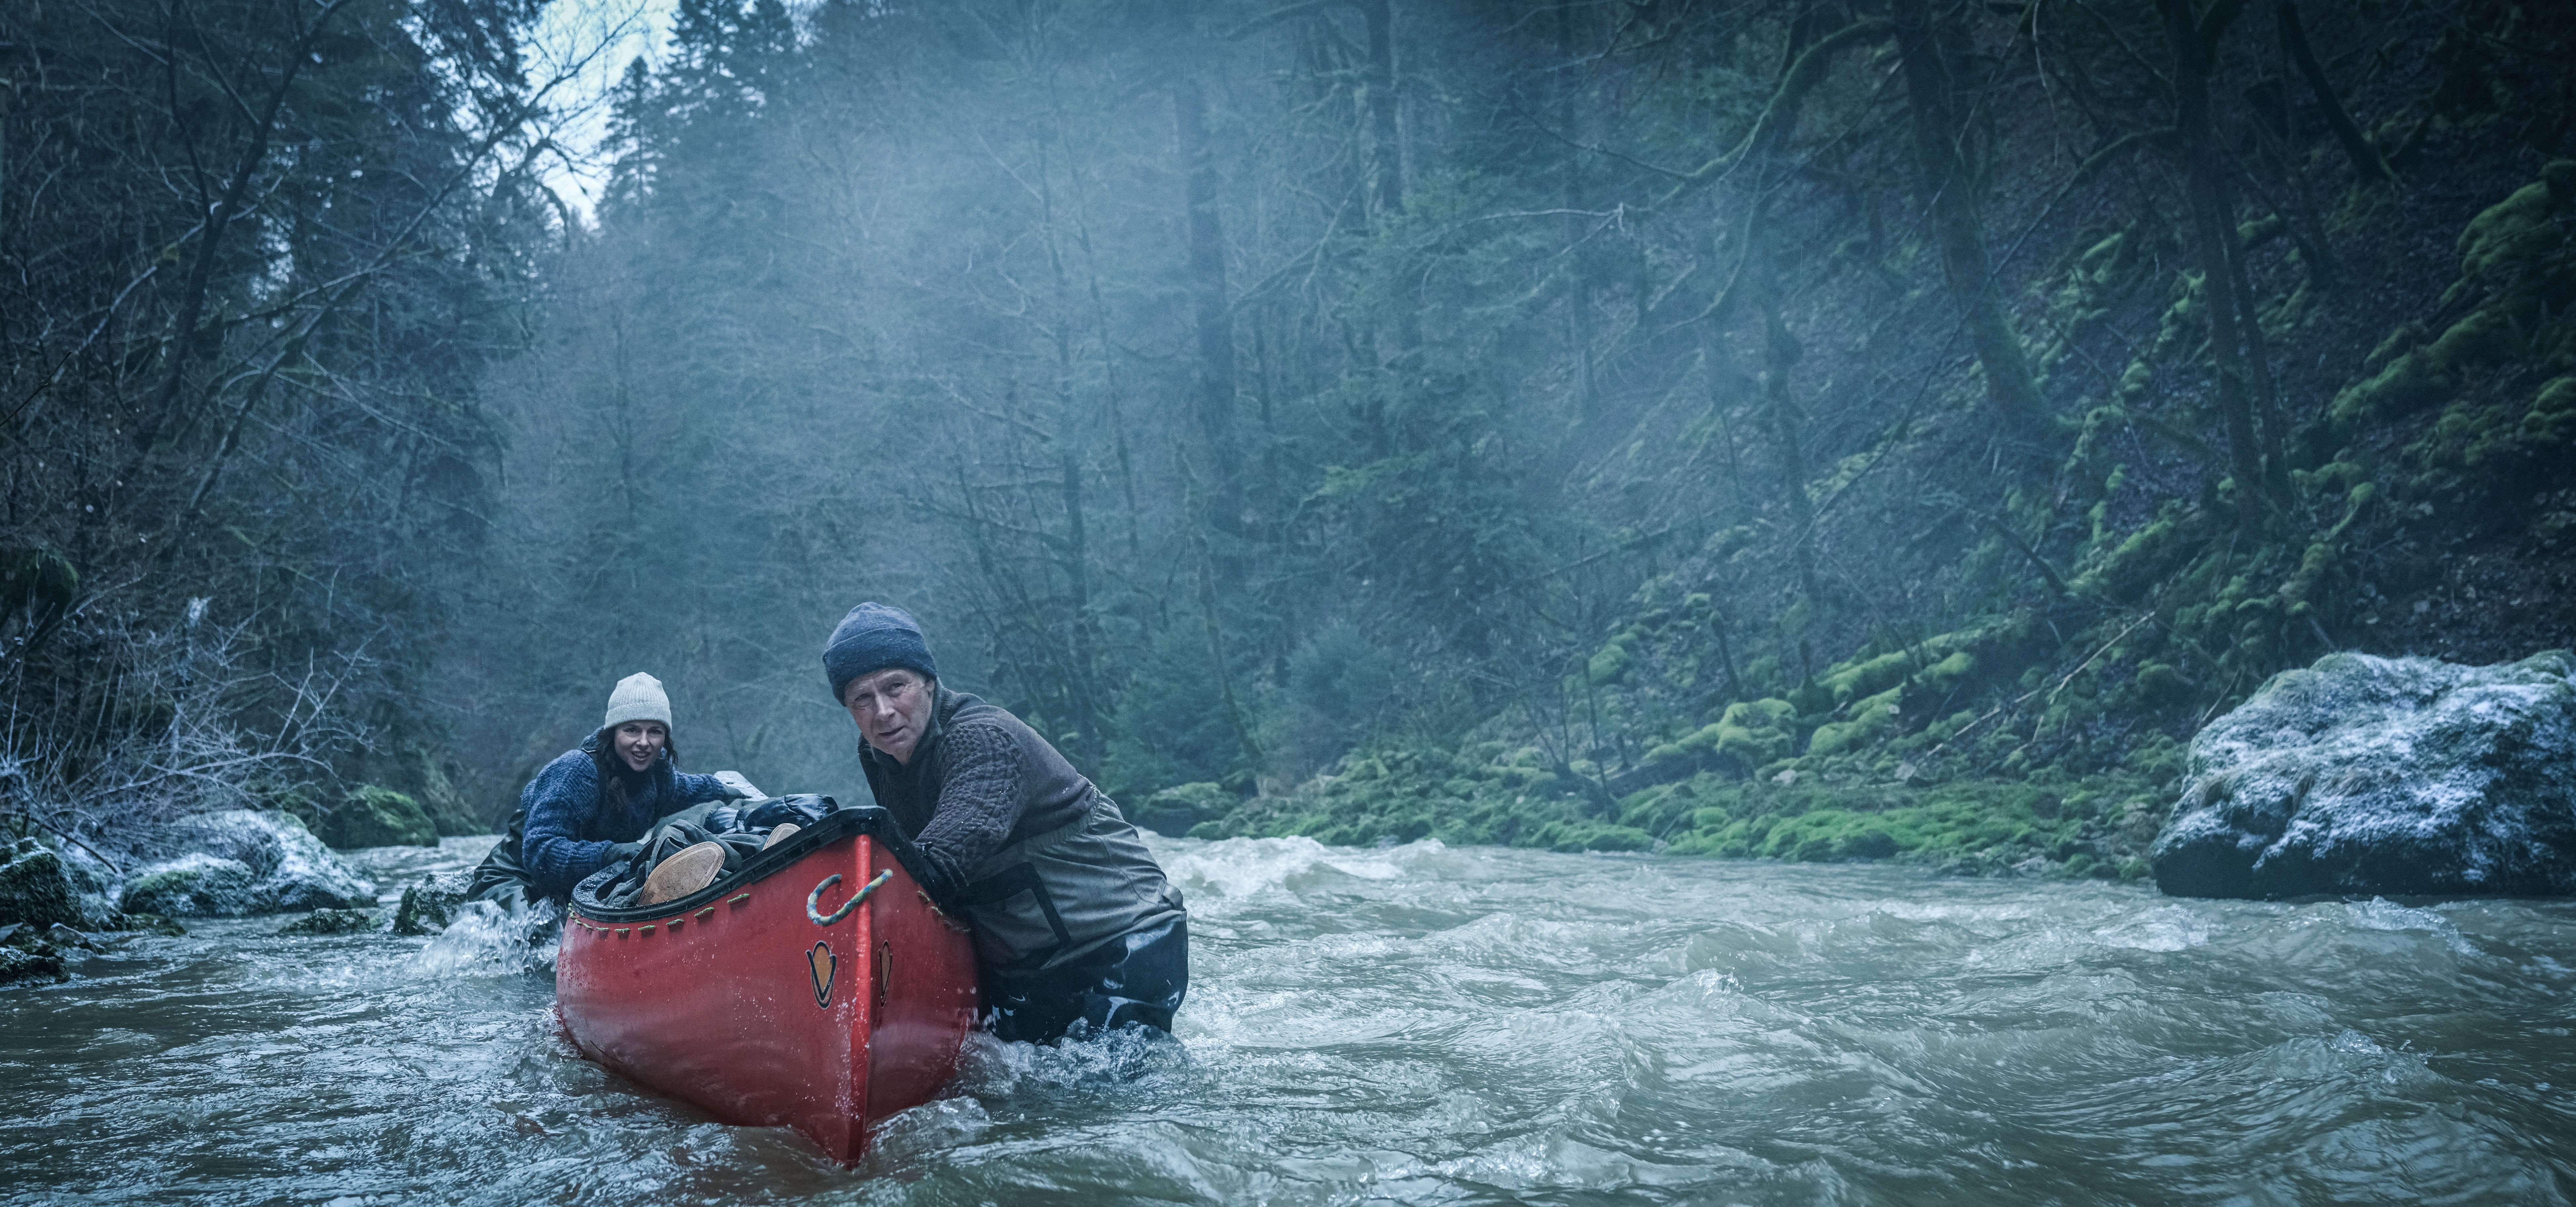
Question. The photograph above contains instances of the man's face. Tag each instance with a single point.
(641, 742)
(892, 707)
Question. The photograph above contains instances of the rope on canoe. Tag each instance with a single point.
(814, 899)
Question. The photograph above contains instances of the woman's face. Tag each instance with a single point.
(640, 742)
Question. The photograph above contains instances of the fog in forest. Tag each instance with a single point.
(1590, 424)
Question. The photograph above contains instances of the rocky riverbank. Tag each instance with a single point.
(59, 899)
(2359, 775)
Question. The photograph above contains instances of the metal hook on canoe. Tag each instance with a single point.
(815, 898)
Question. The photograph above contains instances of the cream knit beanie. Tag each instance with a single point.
(638, 697)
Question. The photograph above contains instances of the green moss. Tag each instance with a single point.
(331, 922)
(1610, 664)
(2159, 683)
(1752, 747)
(1748, 734)
(1771, 713)
(369, 816)
(2406, 383)
(1867, 677)
(1949, 672)
(2517, 262)
(1871, 720)
(2485, 337)
(1983, 823)
(2551, 421)
(2510, 235)
(2136, 381)
(1179, 810)
(2141, 559)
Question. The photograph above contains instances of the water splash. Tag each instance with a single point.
(486, 939)
(1247, 867)
(2380, 913)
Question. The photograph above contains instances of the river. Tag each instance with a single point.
(1412, 1025)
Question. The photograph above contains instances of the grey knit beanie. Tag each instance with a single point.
(871, 638)
(638, 697)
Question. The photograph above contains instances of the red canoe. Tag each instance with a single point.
(765, 1002)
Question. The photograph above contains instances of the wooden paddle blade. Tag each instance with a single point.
(691, 868)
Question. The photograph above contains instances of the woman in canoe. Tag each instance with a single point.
(1074, 922)
(593, 804)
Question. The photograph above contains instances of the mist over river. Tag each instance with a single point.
(1415, 1024)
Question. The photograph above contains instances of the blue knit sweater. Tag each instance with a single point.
(570, 828)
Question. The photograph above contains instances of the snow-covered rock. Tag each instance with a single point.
(281, 866)
(195, 885)
(2384, 776)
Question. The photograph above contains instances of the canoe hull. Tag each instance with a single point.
(748, 1009)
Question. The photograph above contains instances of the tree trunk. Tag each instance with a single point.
(1787, 420)
(1216, 376)
(219, 216)
(2366, 160)
(1386, 150)
(1075, 556)
(1950, 193)
(2213, 243)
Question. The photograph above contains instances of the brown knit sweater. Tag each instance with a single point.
(979, 780)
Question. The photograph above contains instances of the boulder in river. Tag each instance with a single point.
(428, 907)
(195, 885)
(331, 922)
(35, 888)
(2384, 776)
(31, 963)
(247, 862)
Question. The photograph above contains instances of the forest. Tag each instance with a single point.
(1806, 429)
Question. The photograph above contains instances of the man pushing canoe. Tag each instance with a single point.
(1073, 920)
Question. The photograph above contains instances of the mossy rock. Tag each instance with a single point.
(446, 807)
(1176, 811)
(2141, 559)
(1866, 677)
(2551, 421)
(375, 817)
(150, 924)
(2159, 683)
(1748, 734)
(1609, 665)
(195, 885)
(35, 889)
(1871, 720)
(331, 922)
(427, 908)
(242, 862)
(37, 963)
(2471, 434)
